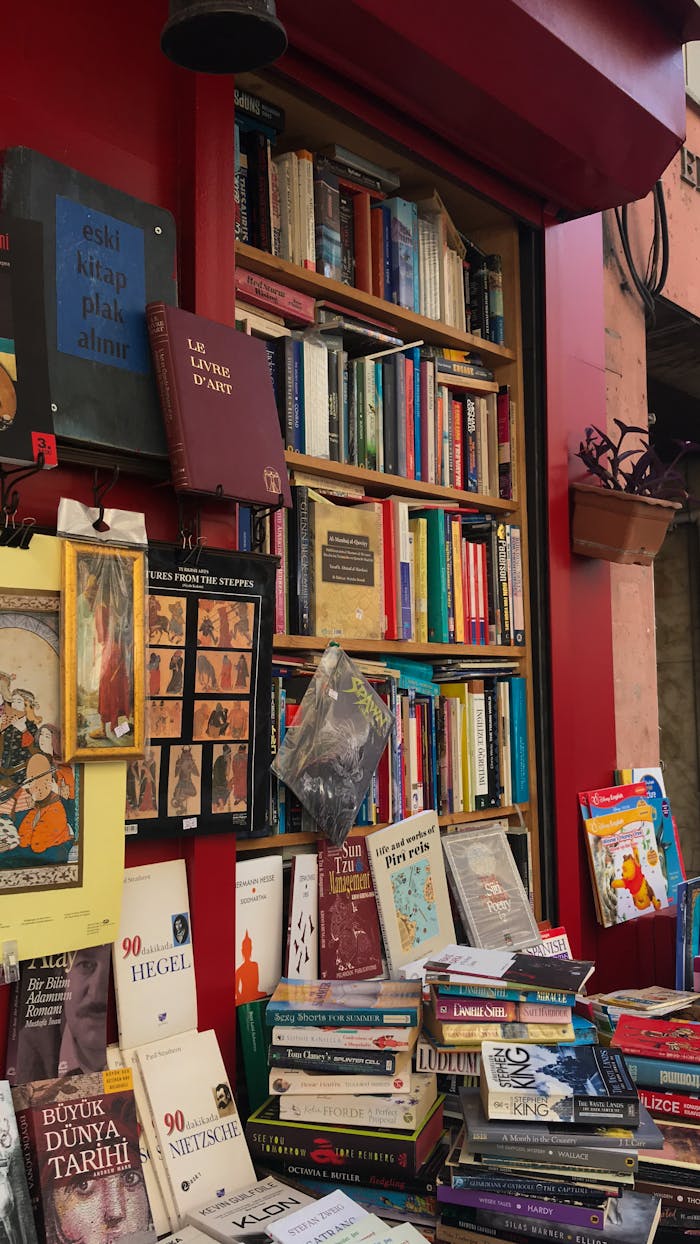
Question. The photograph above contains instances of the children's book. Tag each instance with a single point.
(259, 905)
(668, 843)
(410, 885)
(488, 890)
(152, 958)
(362, 1003)
(551, 1083)
(628, 880)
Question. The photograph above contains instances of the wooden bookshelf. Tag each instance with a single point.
(378, 483)
(397, 647)
(406, 323)
(277, 841)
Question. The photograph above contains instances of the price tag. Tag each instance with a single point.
(45, 443)
(131, 829)
(189, 822)
(333, 694)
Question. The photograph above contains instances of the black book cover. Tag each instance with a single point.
(26, 423)
(390, 417)
(106, 254)
(209, 691)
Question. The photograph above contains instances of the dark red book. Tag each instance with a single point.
(676, 1040)
(350, 940)
(219, 408)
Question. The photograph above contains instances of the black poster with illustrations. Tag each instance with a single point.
(209, 618)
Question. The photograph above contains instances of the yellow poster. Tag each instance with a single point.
(61, 825)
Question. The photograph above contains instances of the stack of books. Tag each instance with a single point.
(345, 1103)
(549, 1150)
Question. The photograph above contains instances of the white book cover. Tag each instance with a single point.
(16, 1217)
(410, 885)
(315, 1224)
(159, 1214)
(488, 890)
(258, 927)
(248, 1212)
(187, 1235)
(195, 1117)
(302, 936)
(143, 1109)
(399, 1040)
(153, 960)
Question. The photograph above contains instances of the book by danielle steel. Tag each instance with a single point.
(410, 886)
(628, 880)
(350, 941)
(79, 1141)
(26, 422)
(219, 408)
(565, 1084)
(488, 890)
(363, 1003)
(153, 956)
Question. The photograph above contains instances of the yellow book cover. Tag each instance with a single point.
(61, 825)
(459, 691)
(346, 558)
(470, 1036)
(626, 870)
(419, 528)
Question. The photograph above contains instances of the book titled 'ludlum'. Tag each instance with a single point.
(219, 408)
(26, 422)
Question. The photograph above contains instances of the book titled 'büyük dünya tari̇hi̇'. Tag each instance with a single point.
(565, 1084)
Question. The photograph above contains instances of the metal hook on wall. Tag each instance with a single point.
(99, 492)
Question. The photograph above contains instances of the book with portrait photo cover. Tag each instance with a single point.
(209, 619)
(16, 1218)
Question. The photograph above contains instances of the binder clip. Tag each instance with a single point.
(10, 962)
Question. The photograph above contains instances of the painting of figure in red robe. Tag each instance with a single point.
(103, 638)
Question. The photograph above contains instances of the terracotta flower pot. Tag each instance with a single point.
(618, 526)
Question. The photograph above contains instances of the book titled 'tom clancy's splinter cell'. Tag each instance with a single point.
(550, 1083)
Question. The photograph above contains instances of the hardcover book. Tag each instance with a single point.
(210, 377)
(16, 1217)
(295, 1080)
(258, 927)
(341, 1037)
(623, 853)
(79, 1141)
(488, 890)
(363, 1003)
(249, 1212)
(411, 889)
(350, 943)
(674, 1040)
(195, 1118)
(346, 571)
(105, 255)
(302, 933)
(361, 1150)
(567, 1084)
(396, 1111)
(58, 1016)
(153, 956)
(26, 423)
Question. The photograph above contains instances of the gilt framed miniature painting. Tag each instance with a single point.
(103, 642)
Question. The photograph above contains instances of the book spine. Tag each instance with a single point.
(470, 371)
(578, 1155)
(389, 288)
(529, 1187)
(455, 1011)
(333, 1017)
(275, 206)
(378, 1064)
(381, 1112)
(506, 1104)
(518, 741)
(327, 223)
(307, 210)
(32, 1171)
(377, 243)
(345, 1038)
(386, 1182)
(261, 292)
(333, 406)
(164, 367)
(502, 579)
(507, 993)
(518, 615)
(259, 109)
(670, 1105)
(494, 282)
(390, 417)
(254, 1041)
(298, 419)
(301, 561)
(240, 194)
(347, 238)
(659, 1073)
(361, 207)
(409, 399)
(529, 1207)
(455, 1062)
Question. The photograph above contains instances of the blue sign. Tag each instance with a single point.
(100, 288)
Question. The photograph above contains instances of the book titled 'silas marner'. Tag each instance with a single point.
(551, 1083)
(219, 408)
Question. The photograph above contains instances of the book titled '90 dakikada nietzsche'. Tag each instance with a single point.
(219, 408)
(550, 1083)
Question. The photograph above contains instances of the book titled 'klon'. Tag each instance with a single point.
(219, 408)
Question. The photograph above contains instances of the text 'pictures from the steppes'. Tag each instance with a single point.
(209, 637)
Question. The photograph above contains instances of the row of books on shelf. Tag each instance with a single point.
(336, 213)
(459, 746)
(390, 568)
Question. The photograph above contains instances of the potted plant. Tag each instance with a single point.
(625, 515)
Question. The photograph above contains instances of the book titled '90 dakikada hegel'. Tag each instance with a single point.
(565, 1084)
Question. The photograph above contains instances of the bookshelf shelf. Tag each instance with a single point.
(278, 841)
(379, 483)
(408, 323)
(399, 647)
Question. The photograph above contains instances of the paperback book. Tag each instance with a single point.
(153, 956)
(248, 1213)
(302, 934)
(350, 942)
(528, 1206)
(330, 1215)
(343, 1037)
(259, 905)
(483, 1133)
(471, 1036)
(568, 1084)
(16, 1217)
(488, 890)
(411, 889)
(673, 1040)
(345, 1062)
(365, 1004)
(633, 1220)
(628, 880)
(395, 1112)
(459, 966)
(290, 1080)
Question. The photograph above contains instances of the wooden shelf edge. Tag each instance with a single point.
(379, 481)
(397, 647)
(318, 286)
(273, 841)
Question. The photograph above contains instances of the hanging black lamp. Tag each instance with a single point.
(223, 36)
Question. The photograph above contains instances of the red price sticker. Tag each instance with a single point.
(45, 443)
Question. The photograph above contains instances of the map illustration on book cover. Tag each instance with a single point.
(26, 423)
(350, 945)
(552, 1083)
(628, 878)
(209, 626)
(58, 1015)
(488, 889)
(106, 254)
(80, 1132)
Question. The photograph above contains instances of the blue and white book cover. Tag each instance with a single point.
(551, 1083)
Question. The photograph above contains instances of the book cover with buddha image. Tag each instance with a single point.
(258, 927)
(26, 422)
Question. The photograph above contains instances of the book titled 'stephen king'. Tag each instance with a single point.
(26, 424)
(219, 408)
(569, 1084)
